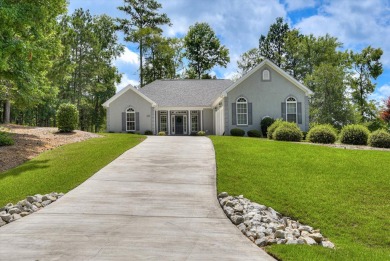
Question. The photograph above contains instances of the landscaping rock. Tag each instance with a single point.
(29, 205)
(265, 226)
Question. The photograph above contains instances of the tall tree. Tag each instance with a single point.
(85, 74)
(272, 46)
(159, 58)
(328, 104)
(28, 42)
(366, 66)
(204, 50)
(249, 60)
(144, 21)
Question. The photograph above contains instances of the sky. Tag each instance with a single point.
(239, 24)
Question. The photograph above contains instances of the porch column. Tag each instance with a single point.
(169, 122)
(189, 122)
(157, 119)
(201, 120)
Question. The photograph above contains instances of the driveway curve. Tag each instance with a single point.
(156, 201)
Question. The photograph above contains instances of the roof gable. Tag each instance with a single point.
(291, 79)
(127, 88)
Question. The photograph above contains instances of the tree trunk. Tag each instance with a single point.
(7, 112)
(141, 75)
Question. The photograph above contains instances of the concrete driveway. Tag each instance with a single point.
(157, 201)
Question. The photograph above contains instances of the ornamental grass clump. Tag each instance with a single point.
(67, 117)
(379, 139)
(287, 131)
(354, 134)
(324, 133)
(273, 127)
(237, 132)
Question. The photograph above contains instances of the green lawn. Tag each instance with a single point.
(345, 193)
(63, 168)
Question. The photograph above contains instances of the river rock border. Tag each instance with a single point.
(265, 226)
(25, 207)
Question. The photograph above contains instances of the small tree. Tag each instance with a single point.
(67, 117)
(385, 114)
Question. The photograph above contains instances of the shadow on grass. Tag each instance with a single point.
(27, 166)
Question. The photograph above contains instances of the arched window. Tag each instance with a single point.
(130, 119)
(291, 109)
(242, 111)
(266, 75)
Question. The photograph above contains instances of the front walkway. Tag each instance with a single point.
(157, 201)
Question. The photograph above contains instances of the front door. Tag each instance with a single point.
(179, 125)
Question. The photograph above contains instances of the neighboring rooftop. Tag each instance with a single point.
(185, 93)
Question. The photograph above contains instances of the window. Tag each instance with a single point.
(291, 109)
(194, 123)
(266, 75)
(163, 123)
(130, 119)
(242, 111)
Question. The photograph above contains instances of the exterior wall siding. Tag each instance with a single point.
(266, 98)
(126, 100)
(208, 121)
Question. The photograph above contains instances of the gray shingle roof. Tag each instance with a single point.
(185, 93)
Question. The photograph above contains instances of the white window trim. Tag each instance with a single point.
(166, 122)
(246, 103)
(296, 108)
(266, 78)
(130, 110)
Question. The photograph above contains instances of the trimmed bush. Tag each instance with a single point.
(6, 139)
(354, 134)
(273, 127)
(237, 132)
(287, 132)
(265, 123)
(67, 117)
(201, 133)
(379, 139)
(254, 133)
(324, 133)
(162, 133)
(148, 132)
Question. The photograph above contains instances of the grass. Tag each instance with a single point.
(345, 193)
(63, 168)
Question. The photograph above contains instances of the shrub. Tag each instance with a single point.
(273, 127)
(67, 117)
(148, 132)
(201, 133)
(237, 132)
(354, 134)
(379, 139)
(265, 123)
(162, 133)
(6, 139)
(287, 132)
(254, 133)
(325, 133)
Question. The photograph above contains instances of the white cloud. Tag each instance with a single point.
(126, 81)
(293, 5)
(381, 93)
(128, 57)
(357, 24)
(234, 76)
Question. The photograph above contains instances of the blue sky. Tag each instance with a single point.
(239, 25)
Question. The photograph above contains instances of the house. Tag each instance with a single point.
(181, 107)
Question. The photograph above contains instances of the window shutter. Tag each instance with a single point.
(137, 121)
(123, 121)
(299, 109)
(284, 111)
(249, 113)
(234, 113)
